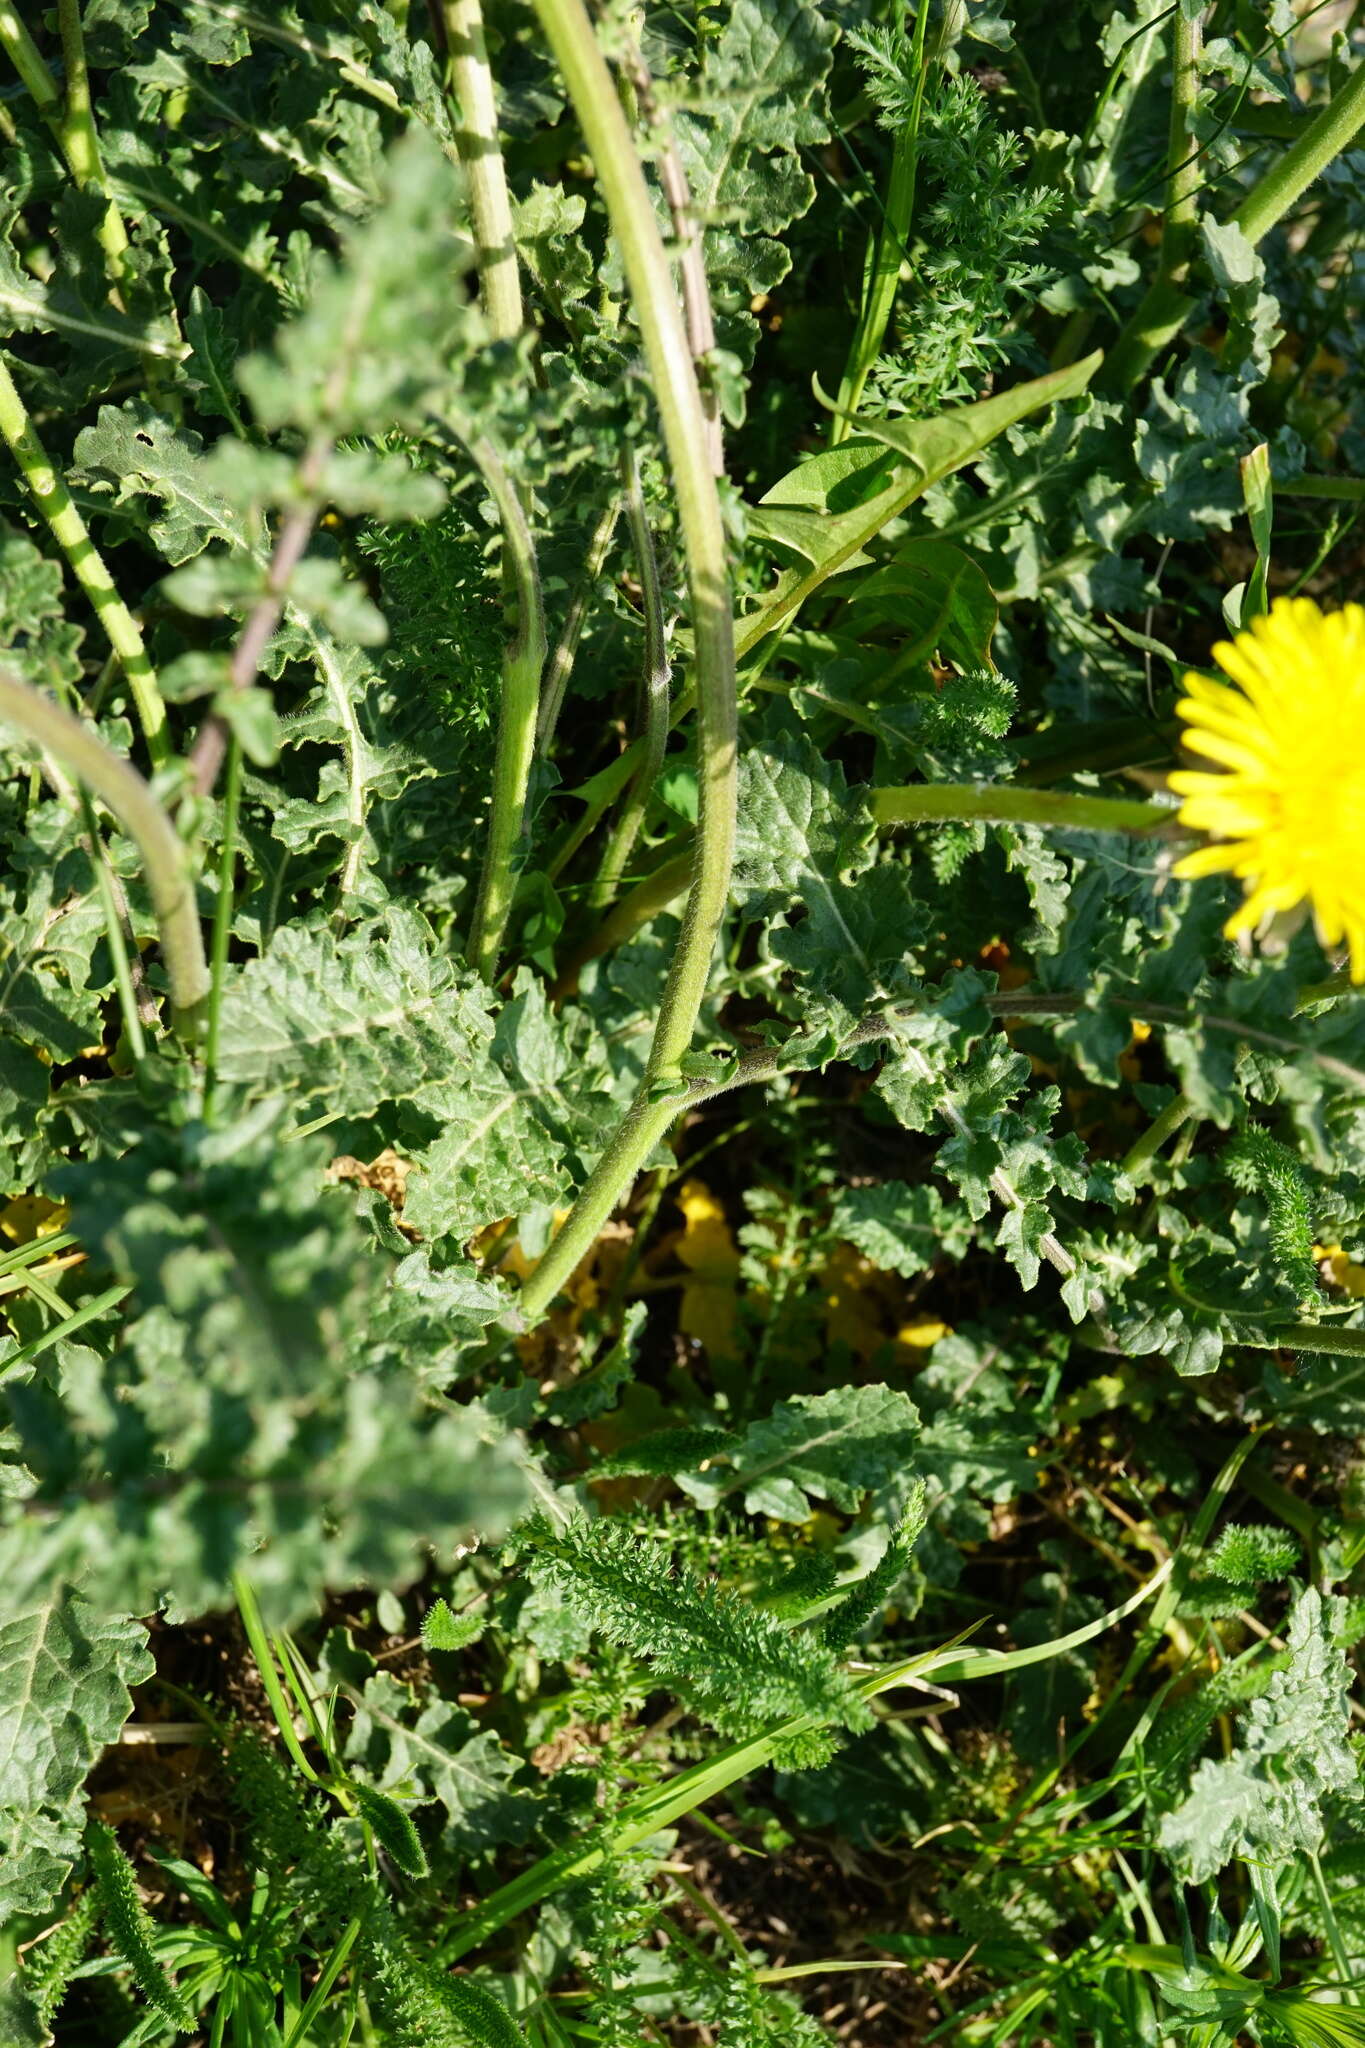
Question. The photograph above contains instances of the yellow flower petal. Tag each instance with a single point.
(1287, 811)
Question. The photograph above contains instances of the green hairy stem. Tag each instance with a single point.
(1006, 804)
(500, 290)
(68, 529)
(520, 700)
(683, 419)
(80, 142)
(27, 60)
(654, 691)
(164, 855)
(481, 162)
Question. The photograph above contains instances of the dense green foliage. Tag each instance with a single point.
(650, 1390)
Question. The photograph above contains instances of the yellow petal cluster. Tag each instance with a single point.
(1287, 808)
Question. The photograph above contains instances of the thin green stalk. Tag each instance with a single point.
(54, 501)
(1326, 1338)
(656, 892)
(29, 62)
(654, 691)
(560, 665)
(683, 419)
(1007, 804)
(481, 161)
(1176, 1113)
(259, 1640)
(919, 803)
(881, 277)
(1150, 329)
(1166, 307)
(519, 703)
(1332, 1927)
(336, 1961)
(222, 917)
(114, 932)
(165, 858)
(80, 141)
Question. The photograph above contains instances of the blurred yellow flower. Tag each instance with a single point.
(1288, 809)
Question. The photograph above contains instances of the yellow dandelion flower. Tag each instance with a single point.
(1287, 812)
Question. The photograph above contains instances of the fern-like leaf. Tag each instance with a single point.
(129, 1927)
(733, 1662)
(1256, 1162)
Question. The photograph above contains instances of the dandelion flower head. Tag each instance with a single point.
(1287, 811)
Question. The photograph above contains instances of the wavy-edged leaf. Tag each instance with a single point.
(835, 1447)
(1265, 1801)
(65, 1670)
(911, 455)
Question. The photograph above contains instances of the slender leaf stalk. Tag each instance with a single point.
(654, 692)
(68, 529)
(1167, 306)
(522, 664)
(165, 857)
(881, 277)
(682, 415)
(31, 66)
(559, 667)
(1144, 337)
(115, 933)
(481, 160)
(1007, 804)
(222, 917)
(1173, 1118)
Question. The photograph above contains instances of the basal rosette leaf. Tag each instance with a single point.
(65, 1670)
